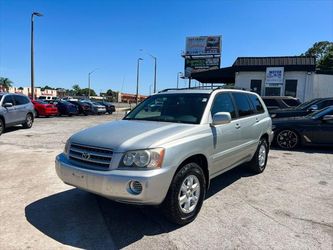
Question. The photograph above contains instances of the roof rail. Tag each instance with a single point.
(198, 87)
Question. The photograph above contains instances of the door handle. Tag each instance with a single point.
(257, 120)
(237, 126)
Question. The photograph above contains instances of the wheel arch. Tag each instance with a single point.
(202, 161)
(3, 119)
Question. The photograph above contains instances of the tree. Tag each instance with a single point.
(6, 83)
(76, 88)
(85, 92)
(323, 51)
(113, 95)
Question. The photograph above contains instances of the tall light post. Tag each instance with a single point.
(89, 81)
(32, 54)
(137, 80)
(155, 68)
(178, 75)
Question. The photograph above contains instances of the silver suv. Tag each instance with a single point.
(166, 150)
(15, 109)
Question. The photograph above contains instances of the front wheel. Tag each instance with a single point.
(259, 160)
(28, 121)
(2, 126)
(186, 194)
(287, 139)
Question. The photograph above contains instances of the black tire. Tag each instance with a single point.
(258, 163)
(171, 206)
(29, 119)
(287, 139)
(2, 126)
(110, 112)
(69, 115)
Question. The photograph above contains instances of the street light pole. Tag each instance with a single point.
(89, 82)
(137, 80)
(155, 68)
(32, 54)
(178, 74)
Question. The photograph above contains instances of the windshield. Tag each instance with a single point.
(181, 108)
(306, 104)
(319, 113)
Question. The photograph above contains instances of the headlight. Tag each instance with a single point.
(66, 149)
(149, 158)
(273, 115)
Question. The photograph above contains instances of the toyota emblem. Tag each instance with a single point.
(85, 156)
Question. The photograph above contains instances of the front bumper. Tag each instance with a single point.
(114, 184)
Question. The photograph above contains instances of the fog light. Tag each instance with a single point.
(135, 187)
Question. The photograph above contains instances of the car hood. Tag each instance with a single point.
(128, 134)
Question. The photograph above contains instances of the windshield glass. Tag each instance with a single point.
(322, 112)
(306, 104)
(181, 108)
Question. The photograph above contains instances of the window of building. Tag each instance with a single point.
(223, 103)
(256, 104)
(243, 104)
(256, 86)
(291, 88)
(272, 91)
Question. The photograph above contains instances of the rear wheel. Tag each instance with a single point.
(259, 160)
(186, 194)
(2, 126)
(287, 139)
(28, 121)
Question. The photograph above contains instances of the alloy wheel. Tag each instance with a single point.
(189, 194)
(287, 139)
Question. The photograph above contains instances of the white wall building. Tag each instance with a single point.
(38, 91)
(275, 76)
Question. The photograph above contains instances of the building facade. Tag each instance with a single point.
(275, 76)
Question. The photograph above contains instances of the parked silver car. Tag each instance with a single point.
(15, 109)
(167, 156)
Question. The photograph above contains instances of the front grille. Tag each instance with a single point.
(90, 157)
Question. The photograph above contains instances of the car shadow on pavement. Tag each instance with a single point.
(13, 129)
(307, 149)
(79, 219)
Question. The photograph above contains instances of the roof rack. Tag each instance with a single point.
(198, 87)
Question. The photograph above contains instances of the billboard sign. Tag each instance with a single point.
(274, 75)
(203, 45)
(193, 65)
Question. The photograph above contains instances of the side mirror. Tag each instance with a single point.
(313, 107)
(8, 105)
(327, 118)
(221, 118)
(127, 112)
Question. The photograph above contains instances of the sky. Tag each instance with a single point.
(75, 37)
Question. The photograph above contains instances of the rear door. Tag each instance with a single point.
(9, 112)
(248, 125)
(226, 137)
(21, 107)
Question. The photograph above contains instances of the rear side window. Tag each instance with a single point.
(20, 100)
(223, 103)
(243, 104)
(8, 99)
(256, 103)
(271, 102)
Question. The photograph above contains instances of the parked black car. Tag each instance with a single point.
(66, 108)
(280, 102)
(303, 109)
(314, 129)
(110, 108)
(83, 108)
(96, 108)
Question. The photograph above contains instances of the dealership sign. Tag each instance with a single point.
(274, 75)
(203, 45)
(193, 65)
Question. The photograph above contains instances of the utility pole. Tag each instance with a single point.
(89, 81)
(32, 54)
(137, 80)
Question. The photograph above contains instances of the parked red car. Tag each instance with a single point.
(45, 109)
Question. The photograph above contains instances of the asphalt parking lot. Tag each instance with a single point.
(289, 206)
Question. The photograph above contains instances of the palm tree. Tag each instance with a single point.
(6, 83)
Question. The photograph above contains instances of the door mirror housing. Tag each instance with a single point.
(313, 107)
(327, 118)
(220, 118)
(8, 105)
